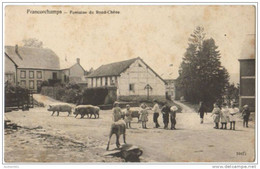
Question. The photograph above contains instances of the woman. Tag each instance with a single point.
(224, 116)
(216, 115)
(117, 112)
(144, 115)
(128, 116)
(201, 111)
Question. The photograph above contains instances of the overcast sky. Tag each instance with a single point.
(157, 34)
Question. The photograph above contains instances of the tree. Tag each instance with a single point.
(201, 76)
(232, 93)
(32, 42)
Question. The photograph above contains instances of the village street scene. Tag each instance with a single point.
(124, 85)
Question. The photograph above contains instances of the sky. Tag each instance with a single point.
(157, 34)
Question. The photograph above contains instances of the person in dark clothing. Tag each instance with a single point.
(202, 111)
(245, 114)
(165, 113)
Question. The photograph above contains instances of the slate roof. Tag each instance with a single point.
(37, 58)
(112, 69)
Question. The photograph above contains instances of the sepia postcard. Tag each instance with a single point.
(148, 83)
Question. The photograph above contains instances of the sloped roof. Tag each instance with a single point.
(38, 58)
(112, 69)
(115, 69)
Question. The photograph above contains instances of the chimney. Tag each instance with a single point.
(16, 48)
(17, 52)
(78, 60)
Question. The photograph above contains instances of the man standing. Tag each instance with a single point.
(156, 111)
(165, 113)
(201, 111)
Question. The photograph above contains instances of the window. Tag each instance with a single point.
(132, 87)
(23, 83)
(39, 82)
(54, 75)
(31, 84)
(105, 81)
(112, 81)
(31, 74)
(39, 74)
(23, 74)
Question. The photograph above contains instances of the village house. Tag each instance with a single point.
(29, 67)
(247, 73)
(72, 72)
(133, 80)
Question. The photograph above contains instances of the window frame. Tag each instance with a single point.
(21, 83)
(31, 71)
(30, 84)
(21, 72)
(38, 74)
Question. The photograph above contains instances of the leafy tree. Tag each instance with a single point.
(33, 42)
(201, 76)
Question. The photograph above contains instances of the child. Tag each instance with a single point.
(128, 116)
(245, 114)
(232, 118)
(165, 112)
(224, 116)
(216, 115)
(144, 115)
(117, 113)
(173, 111)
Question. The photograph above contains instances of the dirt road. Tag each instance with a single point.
(46, 138)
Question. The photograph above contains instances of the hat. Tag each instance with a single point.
(127, 105)
(174, 108)
(154, 100)
(245, 106)
(143, 106)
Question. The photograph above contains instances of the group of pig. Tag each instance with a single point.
(81, 110)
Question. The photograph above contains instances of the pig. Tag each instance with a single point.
(60, 107)
(118, 128)
(87, 110)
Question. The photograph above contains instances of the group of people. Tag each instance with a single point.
(166, 111)
(224, 115)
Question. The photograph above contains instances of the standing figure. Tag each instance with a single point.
(128, 116)
(224, 116)
(165, 113)
(245, 114)
(117, 112)
(232, 115)
(156, 111)
(201, 111)
(144, 115)
(216, 115)
(173, 111)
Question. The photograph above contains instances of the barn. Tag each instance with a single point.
(133, 80)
